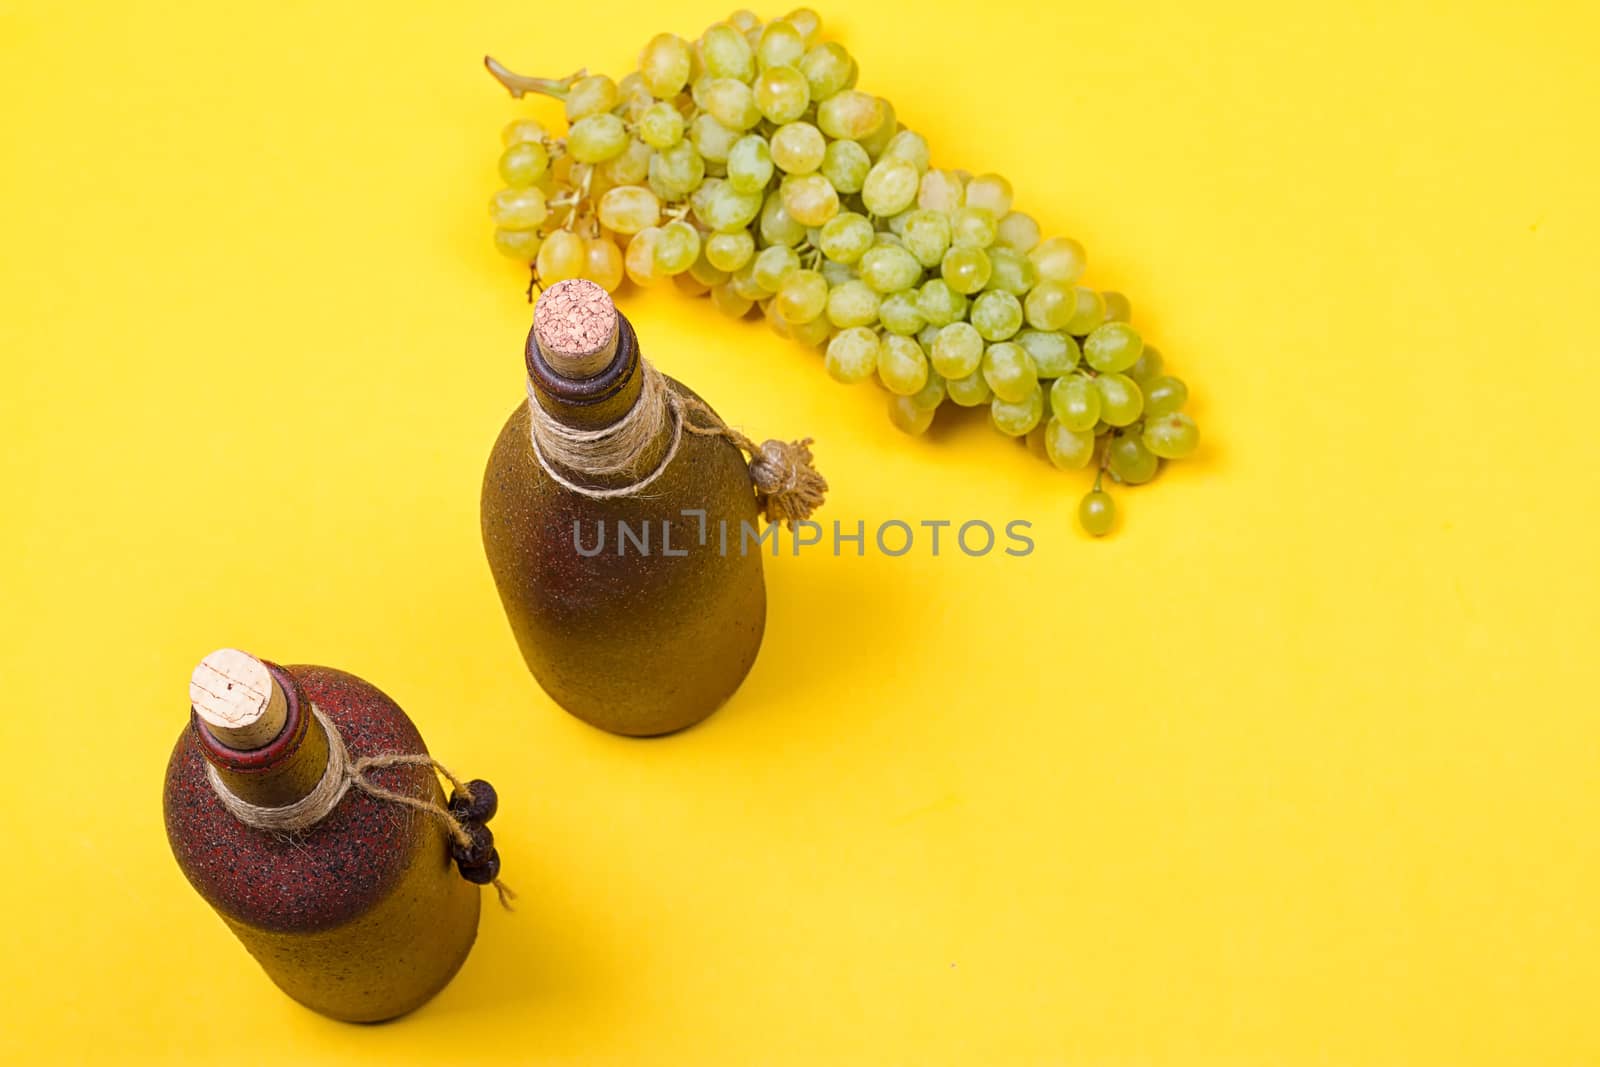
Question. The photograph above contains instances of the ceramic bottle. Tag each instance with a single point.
(361, 916)
(639, 612)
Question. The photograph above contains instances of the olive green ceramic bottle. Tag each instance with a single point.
(641, 611)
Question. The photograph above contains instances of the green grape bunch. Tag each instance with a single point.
(747, 165)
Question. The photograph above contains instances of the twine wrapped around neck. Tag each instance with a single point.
(788, 486)
(337, 779)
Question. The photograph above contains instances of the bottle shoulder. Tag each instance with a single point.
(708, 471)
(338, 869)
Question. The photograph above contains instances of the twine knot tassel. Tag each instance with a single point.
(788, 485)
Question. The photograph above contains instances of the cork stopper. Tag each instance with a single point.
(575, 326)
(237, 699)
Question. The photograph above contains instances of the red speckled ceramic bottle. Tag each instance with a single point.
(362, 916)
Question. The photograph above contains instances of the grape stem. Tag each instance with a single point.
(519, 85)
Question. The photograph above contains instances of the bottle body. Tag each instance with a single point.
(361, 917)
(638, 613)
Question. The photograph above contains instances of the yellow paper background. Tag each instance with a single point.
(1300, 767)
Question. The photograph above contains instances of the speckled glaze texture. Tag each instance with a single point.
(362, 917)
(634, 644)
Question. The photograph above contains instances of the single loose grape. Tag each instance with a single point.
(730, 251)
(677, 246)
(773, 264)
(1054, 353)
(798, 148)
(677, 171)
(518, 209)
(596, 138)
(1171, 436)
(889, 268)
(1018, 232)
(828, 69)
(664, 64)
(1130, 460)
(942, 191)
(1120, 399)
(911, 147)
(968, 392)
(750, 164)
(996, 315)
(728, 300)
(521, 245)
(778, 227)
(1097, 513)
(1068, 449)
(908, 417)
(1147, 367)
(1089, 311)
(850, 115)
(782, 94)
(1015, 418)
(810, 199)
(1010, 271)
(972, 227)
(563, 255)
(1112, 347)
(1059, 259)
(902, 367)
(846, 165)
(629, 209)
(1010, 372)
(524, 163)
(854, 303)
(629, 167)
(519, 131)
(846, 237)
(639, 261)
(890, 188)
(939, 303)
(852, 355)
(802, 296)
(966, 269)
(782, 45)
(1075, 402)
(1163, 395)
(958, 351)
(603, 263)
(725, 53)
(899, 313)
(990, 192)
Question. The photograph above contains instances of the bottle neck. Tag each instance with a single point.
(598, 402)
(283, 770)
